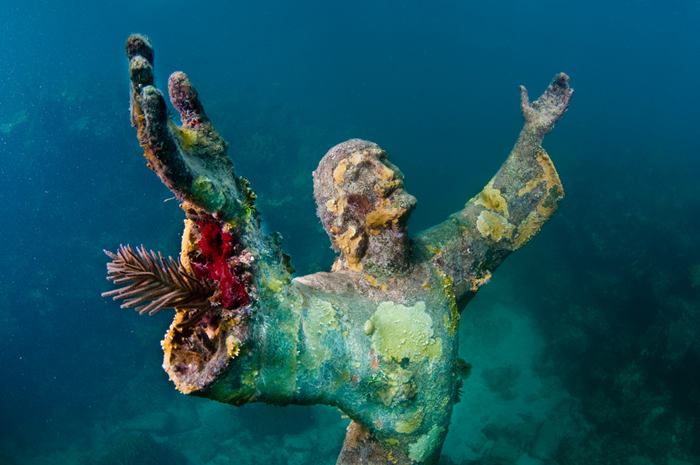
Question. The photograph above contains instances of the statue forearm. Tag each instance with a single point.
(512, 207)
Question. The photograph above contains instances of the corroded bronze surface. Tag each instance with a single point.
(375, 337)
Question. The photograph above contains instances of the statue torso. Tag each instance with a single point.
(388, 345)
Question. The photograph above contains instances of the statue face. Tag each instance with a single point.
(359, 194)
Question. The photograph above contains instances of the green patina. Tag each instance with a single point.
(205, 193)
(451, 321)
(410, 422)
(420, 450)
(396, 385)
(279, 351)
(319, 319)
(249, 196)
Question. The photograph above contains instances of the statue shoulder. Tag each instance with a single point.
(331, 282)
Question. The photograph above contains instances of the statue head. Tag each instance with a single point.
(362, 205)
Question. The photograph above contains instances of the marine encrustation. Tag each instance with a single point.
(376, 336)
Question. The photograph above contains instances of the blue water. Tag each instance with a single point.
(585, 345)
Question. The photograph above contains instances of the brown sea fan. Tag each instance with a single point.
(154, 282)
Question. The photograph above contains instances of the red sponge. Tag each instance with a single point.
(215, 262)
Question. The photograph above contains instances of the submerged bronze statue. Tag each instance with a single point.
(375, 337)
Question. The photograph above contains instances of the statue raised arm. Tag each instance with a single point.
(377, 336)
(511, 208)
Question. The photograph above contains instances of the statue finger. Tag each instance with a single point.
(159, 146)
(140, 54)
(524, 99)
(139, 45)
(155, 115)
(525, 104)
(185, 99)
(140, 72)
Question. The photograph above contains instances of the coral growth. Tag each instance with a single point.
(153, 282)
(221, 259)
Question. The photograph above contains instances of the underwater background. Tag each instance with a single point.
(585, 345)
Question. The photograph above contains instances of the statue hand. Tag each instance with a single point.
(190, 159)
(542, 114)
(223, 244)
